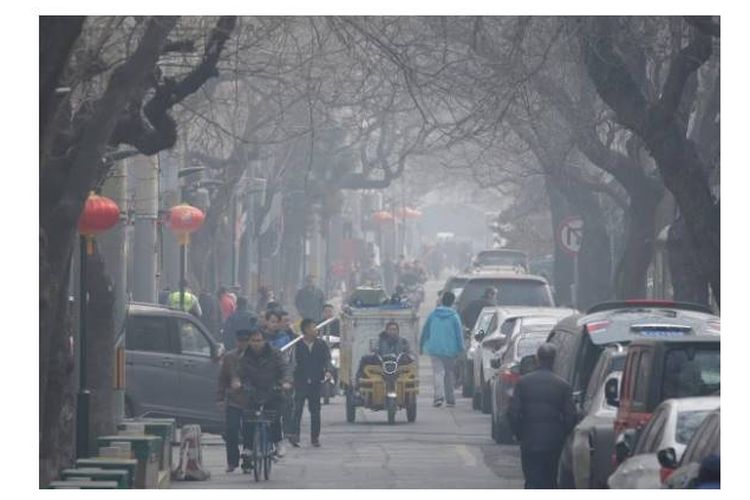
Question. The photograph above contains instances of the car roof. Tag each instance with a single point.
(526, 311)
(507, 276)
(687, 339)
(694, 403)
(500, 251)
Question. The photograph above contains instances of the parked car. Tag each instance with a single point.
(454, 284)
(528, 334)
(706, 441)
(172, 367)
(490, 343)
(580, 340)
(673, 424)
(586, 458)
(502, 257)
(679, 365)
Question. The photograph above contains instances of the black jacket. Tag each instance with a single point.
(310, 366)
(263, 371)
(387, 346)
(541, 411)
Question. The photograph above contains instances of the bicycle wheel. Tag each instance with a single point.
(257, 454)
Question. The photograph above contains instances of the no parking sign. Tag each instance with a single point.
(570, 235)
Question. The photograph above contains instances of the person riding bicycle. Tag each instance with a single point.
(262, 371)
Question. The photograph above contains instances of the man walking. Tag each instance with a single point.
(309, 300)
(541, 414)
(443, 341)
(312, 360)
(471, 312)
(231, 400)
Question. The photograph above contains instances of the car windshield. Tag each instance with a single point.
(691, 371)
(687, 423)
(501, 259)
(510, 292)
(528, 343)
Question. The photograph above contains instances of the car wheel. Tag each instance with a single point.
(485, 398)
(504, 434)
(468, 375)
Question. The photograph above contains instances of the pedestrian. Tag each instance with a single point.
(189, 301)
(241, 319)
(226, 303)
(312, 363)
(211, 313)
(231, 399)
(334, 327)
(442, 339)
(275, 333)
(309, 300)
(471, 311)
(285, 320)
(541, 414)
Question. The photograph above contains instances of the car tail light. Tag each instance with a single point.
(597, 326)
(664, 474)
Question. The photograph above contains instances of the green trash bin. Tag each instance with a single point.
(108, 463)
(145, 449)
(81, 484)
(98, 474)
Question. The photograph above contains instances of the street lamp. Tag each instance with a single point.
(99, 214)
(184, 219)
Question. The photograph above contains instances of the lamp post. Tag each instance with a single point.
(99, 214)
(184, 219)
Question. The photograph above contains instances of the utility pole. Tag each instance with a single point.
(146, 173)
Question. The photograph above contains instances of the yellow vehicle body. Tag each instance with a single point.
(373, 391)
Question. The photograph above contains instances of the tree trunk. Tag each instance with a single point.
(630, 276)
(687, 283)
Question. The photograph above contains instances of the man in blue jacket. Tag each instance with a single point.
(443, 341)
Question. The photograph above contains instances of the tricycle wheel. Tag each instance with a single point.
(411, 409)
(351, 410)
(391, 406)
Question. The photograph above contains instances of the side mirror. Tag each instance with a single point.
(495, 363)
(479, 335)
(667, 458)
(612, 392)
(527, 364)
(624, 445)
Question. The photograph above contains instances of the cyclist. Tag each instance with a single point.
(262, 370)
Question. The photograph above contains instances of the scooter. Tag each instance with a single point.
(390, 364)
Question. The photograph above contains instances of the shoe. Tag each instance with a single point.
(280, 450)
(230, 469)
(438, 403)
(294, 441)
(315, 443)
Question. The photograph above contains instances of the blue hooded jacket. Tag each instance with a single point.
(442, 333)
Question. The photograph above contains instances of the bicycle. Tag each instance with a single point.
(258, 420)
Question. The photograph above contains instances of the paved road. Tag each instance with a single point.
(444, 448)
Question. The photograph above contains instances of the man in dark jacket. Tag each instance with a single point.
(261, 370)
(470, 313)
(241, 319)
(541, 414)
(309, 300)
(312, 360)
(231, 400)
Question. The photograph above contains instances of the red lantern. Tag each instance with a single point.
(99, 214)
(382, 216)
(410, 213)
(183, 220)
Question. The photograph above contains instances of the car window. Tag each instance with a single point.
(149, 334)
(696, 448)
(588, 355)
(484, 322)
(691, 371)
(642, 373)
(501, 259)
(629, 375)
(508, 326)
(596, 380)
(687, 423)
(564, 358)
(510, 292)
(653, 432)
(192, 340)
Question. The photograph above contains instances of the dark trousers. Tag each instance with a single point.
(539, 468)
(311, 394)
(232, 435)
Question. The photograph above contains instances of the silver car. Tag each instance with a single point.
(672, 425)
(172, 367)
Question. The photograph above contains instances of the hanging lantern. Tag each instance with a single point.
(382, 216)
(410, 213)
(99, 214)
(183, 220)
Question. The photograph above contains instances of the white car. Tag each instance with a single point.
(672, 425)
(494, 328)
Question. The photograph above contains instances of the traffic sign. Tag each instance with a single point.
(570, 235)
